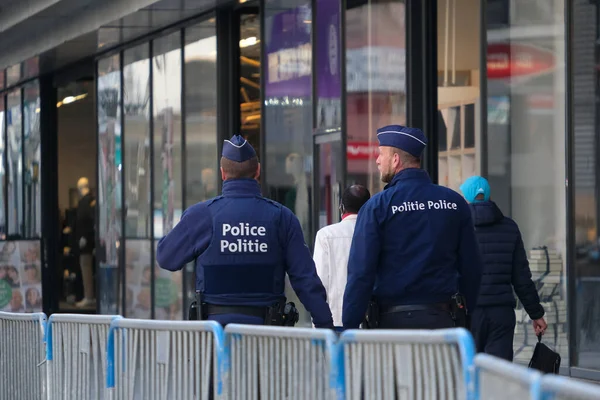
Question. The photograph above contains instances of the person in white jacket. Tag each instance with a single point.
(332, 248)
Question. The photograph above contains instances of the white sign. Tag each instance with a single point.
(376, 69)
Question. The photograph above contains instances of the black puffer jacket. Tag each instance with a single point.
(505, 261)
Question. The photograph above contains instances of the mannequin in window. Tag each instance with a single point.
(85, 238)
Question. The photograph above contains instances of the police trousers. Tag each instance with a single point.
(225, 319)
(493, 329)
(417, 319)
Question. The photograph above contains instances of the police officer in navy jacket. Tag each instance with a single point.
(243, 245)
(413, 247)
(505, 266)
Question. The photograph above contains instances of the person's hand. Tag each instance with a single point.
(67, 230)
(66, 251)
(539, 325)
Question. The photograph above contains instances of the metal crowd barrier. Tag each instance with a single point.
(416, 364)
(22, 355)
(499, 379)
(561, 388)
(173, 360)
(275, 363)
(76, 355)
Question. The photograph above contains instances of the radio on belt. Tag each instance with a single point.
(246, 243)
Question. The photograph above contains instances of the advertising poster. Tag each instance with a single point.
(168, 292)
(168, 297)
(138, 297)
(328, 64)
(289, 58)
(20, 276)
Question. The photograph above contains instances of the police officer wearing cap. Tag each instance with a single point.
(414, 256)
(243, 245)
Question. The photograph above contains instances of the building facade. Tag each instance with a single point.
(503, 88)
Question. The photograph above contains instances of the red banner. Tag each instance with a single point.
(506, 60)
(362, 151)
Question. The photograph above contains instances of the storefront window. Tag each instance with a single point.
(109, 225)
(202, 162)
(525, 152)
(459, 59)
(250, 67)
(31, 173)
(375, 82)
(166, 89)
(586, 153)
(288, 112)
(14, 137)
(136, 145)
(329, 153)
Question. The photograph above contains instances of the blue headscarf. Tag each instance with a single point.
(474, 186)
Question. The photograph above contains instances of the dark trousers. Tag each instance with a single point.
(225, 319)
(420, 319)
(493, 329)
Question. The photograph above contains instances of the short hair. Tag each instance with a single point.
(407, 158)
(354, 197)
(239, 170)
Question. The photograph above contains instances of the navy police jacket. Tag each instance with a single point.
(505, 263)
(414, 243)
(243, 245)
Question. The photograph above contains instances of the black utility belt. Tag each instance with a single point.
(417, 307)
(214, 309)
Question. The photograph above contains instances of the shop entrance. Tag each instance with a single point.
(76, 181)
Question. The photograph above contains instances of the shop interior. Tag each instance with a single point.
(459, 61)
(77, 149)
(250, 77)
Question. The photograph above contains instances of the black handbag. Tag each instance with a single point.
(544, 359)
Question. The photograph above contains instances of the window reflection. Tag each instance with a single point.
(329, 153)
(526, 149)
(109, 184)
(136, 92)
(288, 113)
(166, 85)
(32, 181)
(136, 106)
(202, 171)
(15, 163)
(375, 82)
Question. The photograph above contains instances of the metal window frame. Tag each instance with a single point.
(49, 191)
(5, 162)
(570, 191)
(123, 241)
(421, 77)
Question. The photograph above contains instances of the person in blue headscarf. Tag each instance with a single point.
(505, 267)
(413, 247)
(243, 245)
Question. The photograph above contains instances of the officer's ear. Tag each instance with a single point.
(257, 176)
(223, 174)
